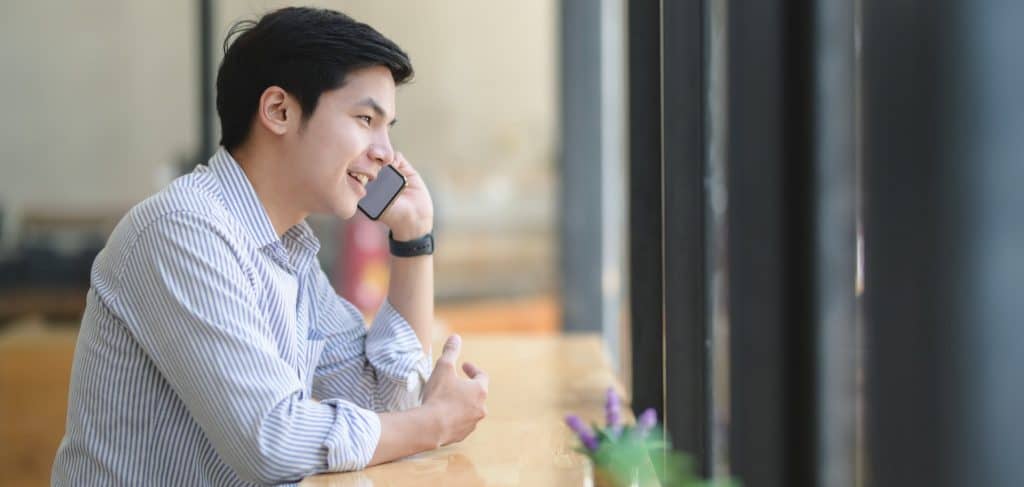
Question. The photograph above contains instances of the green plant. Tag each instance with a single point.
(637, 454)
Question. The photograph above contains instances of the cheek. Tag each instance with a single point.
(331, 159)
(321, 179)
(330, 180)
(334, 178)
(337, 143)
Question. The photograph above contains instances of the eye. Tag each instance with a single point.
(366, 118)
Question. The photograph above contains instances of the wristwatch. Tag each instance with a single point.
(413, 248)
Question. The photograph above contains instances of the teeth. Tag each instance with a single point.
(361, 177)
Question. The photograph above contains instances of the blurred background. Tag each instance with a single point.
(116, 99)
(113, 98)
(794, 225)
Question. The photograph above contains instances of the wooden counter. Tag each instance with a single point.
(535, 382)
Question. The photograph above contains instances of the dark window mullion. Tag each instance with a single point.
(684, 197)
(645, 216)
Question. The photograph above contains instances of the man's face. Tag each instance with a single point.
(346, 138)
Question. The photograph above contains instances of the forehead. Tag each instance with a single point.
(373, 82)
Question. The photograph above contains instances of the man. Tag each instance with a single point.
(213, 350)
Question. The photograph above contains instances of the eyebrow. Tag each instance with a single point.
(370, 102)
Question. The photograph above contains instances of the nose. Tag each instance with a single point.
(381, 152)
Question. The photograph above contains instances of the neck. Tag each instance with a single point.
(264, 170)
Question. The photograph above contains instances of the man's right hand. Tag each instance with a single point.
(452, 406)
(457, 402)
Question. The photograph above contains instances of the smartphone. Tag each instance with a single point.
(381, 192)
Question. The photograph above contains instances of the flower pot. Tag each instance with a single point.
(604, 478)
(641, 476)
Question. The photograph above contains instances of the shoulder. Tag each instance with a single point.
(188, 215)
(193, 196)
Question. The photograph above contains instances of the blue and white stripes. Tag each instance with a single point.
(213, 352)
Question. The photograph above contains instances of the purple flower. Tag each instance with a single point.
(646, 421)
(585, 433)
(612, 411)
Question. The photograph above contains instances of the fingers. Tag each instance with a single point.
(450, 355)
(403, 165)
(450, 352)
(470, 369)
(399, 162)
(476, 373)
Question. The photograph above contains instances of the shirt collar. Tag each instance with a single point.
(242, 201)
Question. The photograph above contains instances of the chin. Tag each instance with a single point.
(346, 212)
(341, 205)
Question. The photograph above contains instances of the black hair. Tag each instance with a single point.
(305, 51)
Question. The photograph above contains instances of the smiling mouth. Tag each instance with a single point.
(358, 176)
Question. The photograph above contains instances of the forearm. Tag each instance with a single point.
(411, 293)
(294, 439)
(406, 433)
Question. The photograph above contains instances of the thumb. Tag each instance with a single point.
(450, 353)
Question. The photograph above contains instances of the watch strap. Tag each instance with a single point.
(413, 248)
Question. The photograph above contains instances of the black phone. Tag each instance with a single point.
(381, 192)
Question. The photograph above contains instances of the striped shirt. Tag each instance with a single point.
(213, 352)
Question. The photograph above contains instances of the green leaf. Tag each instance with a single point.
(604, 435)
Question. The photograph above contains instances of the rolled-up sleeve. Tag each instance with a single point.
(396, 353)
(384, 368)
(189, 299)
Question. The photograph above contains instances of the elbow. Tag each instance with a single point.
(269, 456)
(266, 468)
(289, 445)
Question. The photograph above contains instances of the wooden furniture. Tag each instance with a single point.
(535, 382)
(53, 304)
(35, 368)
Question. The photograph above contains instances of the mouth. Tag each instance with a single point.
(361, 177)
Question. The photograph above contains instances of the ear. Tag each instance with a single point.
(277, 110)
